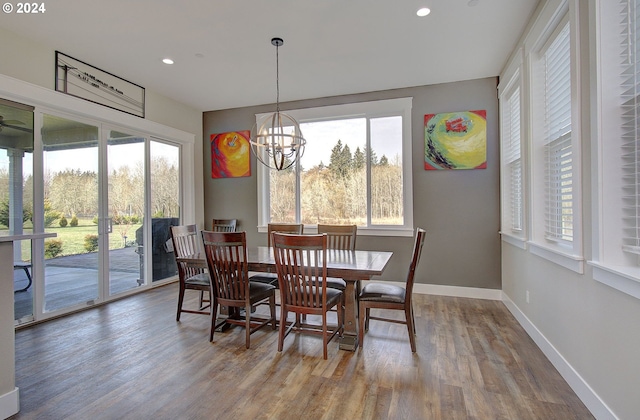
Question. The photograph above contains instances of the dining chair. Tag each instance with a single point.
(226, 254)
(185, 242)
(301, 264)
(295, 228)
(385, 296)
(224, 225)
(342, 238)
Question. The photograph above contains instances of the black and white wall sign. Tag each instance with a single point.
(82, 80)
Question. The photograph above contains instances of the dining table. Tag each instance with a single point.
(351, 266)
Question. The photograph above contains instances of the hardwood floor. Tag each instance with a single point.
(130, 359)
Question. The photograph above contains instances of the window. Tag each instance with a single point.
(356, 168)
(512, 160)
(555, 141)
(616, 138)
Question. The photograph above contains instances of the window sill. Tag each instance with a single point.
(514, 240)
(624, 279)
(397, 232)
(563, 259)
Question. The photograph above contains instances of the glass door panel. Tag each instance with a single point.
(70, 168)
(16, 197)
(126, 181)
(165, 207)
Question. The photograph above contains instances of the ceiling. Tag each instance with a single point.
(224, 57)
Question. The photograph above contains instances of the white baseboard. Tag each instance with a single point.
(9, 403)
(455, 291)
(582, 389)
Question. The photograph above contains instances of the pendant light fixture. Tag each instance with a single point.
(276, 139)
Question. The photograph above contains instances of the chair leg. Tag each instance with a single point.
(361, 321)
(324, 336)
(272, 307)
(408, 313)
(283, 325)
(180, 300)
(247, 319)
(214, 311)
(366, 320)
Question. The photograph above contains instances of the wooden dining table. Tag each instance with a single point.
(352, 266)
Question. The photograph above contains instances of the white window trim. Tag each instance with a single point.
(606, 270)
(382, 107)
(553, 17)
(513, 78)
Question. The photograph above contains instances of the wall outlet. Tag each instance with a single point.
(527, 296)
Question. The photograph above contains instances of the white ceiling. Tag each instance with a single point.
(224, 57)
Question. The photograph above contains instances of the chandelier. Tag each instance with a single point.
(276, 139)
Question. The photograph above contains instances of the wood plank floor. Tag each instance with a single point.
(130, 359)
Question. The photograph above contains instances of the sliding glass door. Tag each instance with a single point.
(16, 197)
(124, 224)
(71, 207)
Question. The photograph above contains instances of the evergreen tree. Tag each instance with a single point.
(359, 159)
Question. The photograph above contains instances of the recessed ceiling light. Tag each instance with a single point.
(423, 12)
(167, 61)
(472, 3)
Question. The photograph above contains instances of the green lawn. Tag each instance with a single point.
(73, 237)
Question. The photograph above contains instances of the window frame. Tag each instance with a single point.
(512, 85)
(611, 264)
(371, 109)
(568, 255)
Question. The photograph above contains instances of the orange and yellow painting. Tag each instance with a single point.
(455, 140)
(230, 154)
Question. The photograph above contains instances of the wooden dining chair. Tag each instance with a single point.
(294, 228)
(226, 254)
(185, 242)
(385, 296)
(342, 238)
(301, 264)
(224, 225)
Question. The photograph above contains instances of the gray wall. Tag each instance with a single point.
(459, 209)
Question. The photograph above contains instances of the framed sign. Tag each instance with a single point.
(77, 78)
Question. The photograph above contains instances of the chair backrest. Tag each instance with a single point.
(224, 225)
(341, 237)
(301, 261)
(185, 242)
(226, 254)
(293, 228)
(415, 259)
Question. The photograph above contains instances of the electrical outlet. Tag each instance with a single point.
(527, 296)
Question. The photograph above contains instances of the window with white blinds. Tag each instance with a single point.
(559, 216)
(630, 136)
(512, 161)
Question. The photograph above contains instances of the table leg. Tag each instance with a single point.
(350, 336)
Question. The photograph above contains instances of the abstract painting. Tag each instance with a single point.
(455, 140)
(230, 154)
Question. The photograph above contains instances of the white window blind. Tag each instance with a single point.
(513, 158)
(558, 146)
(630, 82)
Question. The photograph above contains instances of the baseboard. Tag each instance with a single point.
(9, 403)
(455, 291)
(582, 389)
